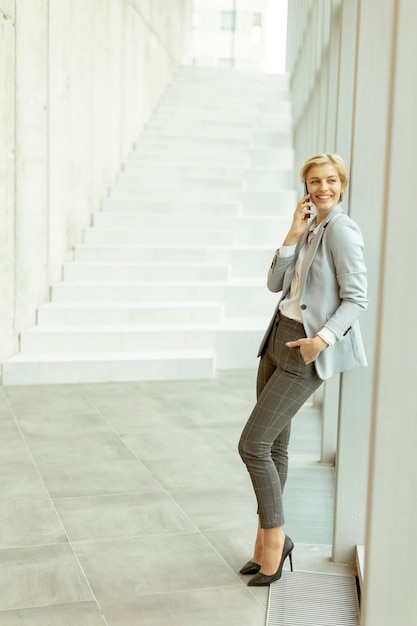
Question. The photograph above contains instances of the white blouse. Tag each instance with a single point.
(290, 305)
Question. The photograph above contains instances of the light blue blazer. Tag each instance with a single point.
(333, 290)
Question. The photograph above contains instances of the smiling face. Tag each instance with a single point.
(324, 186)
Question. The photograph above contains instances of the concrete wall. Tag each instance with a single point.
(350, 64)
(78, 81)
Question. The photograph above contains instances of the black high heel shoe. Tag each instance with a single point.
(250, 568)
(262, 579)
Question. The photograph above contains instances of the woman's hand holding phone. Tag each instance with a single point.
(299, 221)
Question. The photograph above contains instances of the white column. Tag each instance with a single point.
(369, 151)
(391, 546)
(330, 407)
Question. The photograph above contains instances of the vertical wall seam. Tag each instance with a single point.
(48, 144)
(355, 84)
(15, 94)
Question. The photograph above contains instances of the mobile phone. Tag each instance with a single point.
(306, 190)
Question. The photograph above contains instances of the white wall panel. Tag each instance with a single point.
(79, 80)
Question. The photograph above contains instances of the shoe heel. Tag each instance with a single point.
(290, 555)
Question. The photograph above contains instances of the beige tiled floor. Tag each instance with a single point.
(126, 504)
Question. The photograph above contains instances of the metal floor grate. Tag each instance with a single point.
(313, 599)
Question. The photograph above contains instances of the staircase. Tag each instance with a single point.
(169, 282)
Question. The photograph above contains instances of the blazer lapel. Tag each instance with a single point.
(312, 247)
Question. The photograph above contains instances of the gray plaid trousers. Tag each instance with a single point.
(284, 384)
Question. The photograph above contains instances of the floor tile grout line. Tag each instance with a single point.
(43, 606)
(154, 477)
(164, 489)
(202, 533)
(12, 412)
(124, 444)
(126, 538)
(198, 531)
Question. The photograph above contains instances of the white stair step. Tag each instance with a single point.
(229, 88)
(256, 157)
(189, 156)
(208, 223)
(252, 113)
(198, 120)
(236, 104)
(264, 201)
(260, 224)
(213, 132)
(238, 256)
(177, 140)
(150, 338)
(167, 207)
(272, 138)
(168, 110)
(234, 81)
(224, 78)
(192, 74)
(267, 231)
(112, 272)
(184, 172)
(255, 109)
(203, 176)
(272, 157)
(178, 195)
(236, 350)
(262, 231)
(38, 369)
(144, 181)
(183, 104)
(148, 254)
(279, 139)
(197, 151)
(271, 179)
(119, 219)
(252, 262)
(272, 202)
(159, 237)
(190, 116)
(147, 338)
(128, 314)
(250, 297)
(240, 125)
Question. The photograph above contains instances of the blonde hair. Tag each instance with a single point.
(325, 159)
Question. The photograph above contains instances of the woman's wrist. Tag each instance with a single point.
(291, 240)
(321, 344)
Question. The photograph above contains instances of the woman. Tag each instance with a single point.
(313, 334)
